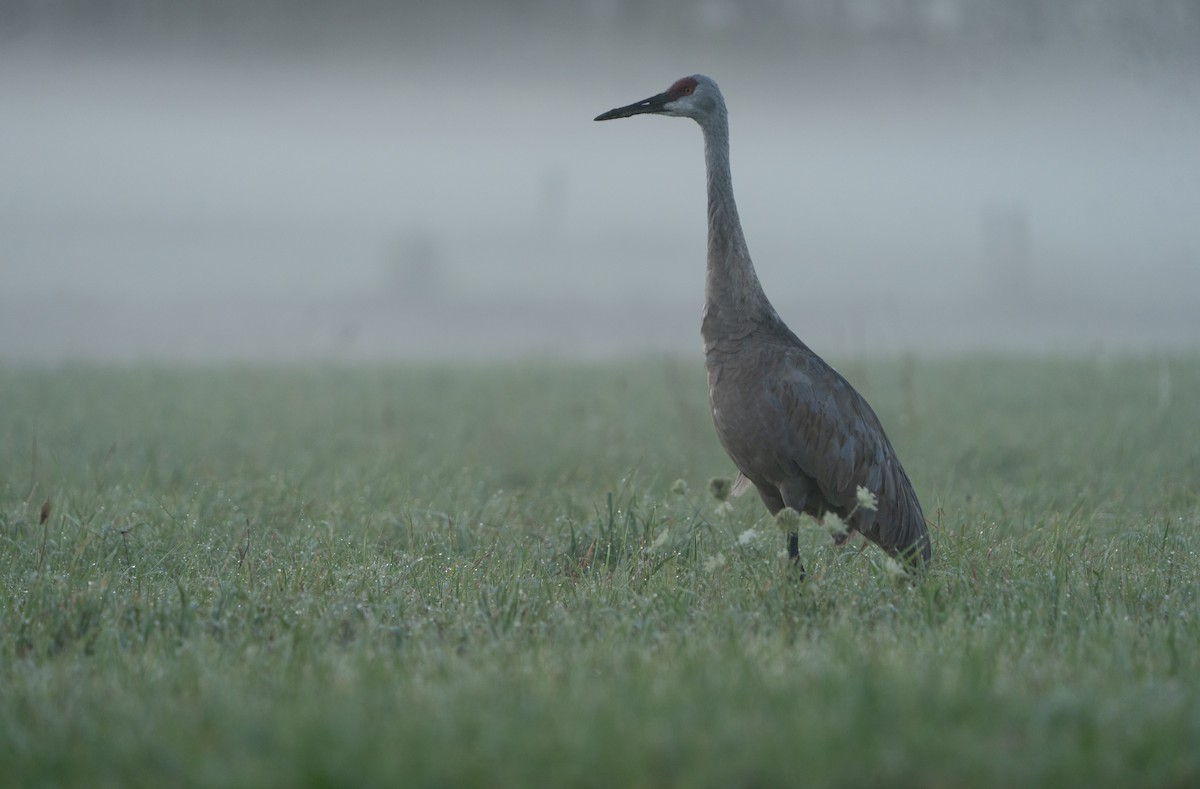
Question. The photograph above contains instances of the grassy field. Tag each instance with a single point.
(515, 576)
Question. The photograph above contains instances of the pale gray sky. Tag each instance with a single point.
(436, 187)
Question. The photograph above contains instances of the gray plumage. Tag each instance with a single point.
(794, 427)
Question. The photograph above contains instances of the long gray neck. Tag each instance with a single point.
(733, 297)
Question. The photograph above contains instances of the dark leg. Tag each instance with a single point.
(794, 494)
(794, 554)
(775, 503)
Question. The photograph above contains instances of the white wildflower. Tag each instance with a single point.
(724, 508)
(660, 539)
(788, 519)
(714, 562)
(747, 537)
(894, 569)
(836, 526)
(866, 499)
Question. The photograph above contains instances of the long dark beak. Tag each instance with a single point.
(652, 104)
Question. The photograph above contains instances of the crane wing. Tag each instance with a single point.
(833, 437)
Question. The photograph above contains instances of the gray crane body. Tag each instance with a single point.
(793, 426)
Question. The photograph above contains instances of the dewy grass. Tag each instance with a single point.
(514, 576)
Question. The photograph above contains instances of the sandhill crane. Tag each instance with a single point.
(793, 426)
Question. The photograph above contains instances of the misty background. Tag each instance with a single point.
(374, 180)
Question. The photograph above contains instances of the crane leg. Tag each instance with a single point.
(793, 542)
(794, 493)
(775, 502)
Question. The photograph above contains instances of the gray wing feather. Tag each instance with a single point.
(835, 438)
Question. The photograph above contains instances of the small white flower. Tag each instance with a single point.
(788, 519)
(836, 526)
(747, 537)
(714, 562)
(834, 522)
(894, 569)
(660, 539)
(724, 508)
(866, 499)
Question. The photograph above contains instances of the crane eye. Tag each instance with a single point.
(688, 89)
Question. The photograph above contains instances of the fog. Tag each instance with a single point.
(361, 181)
